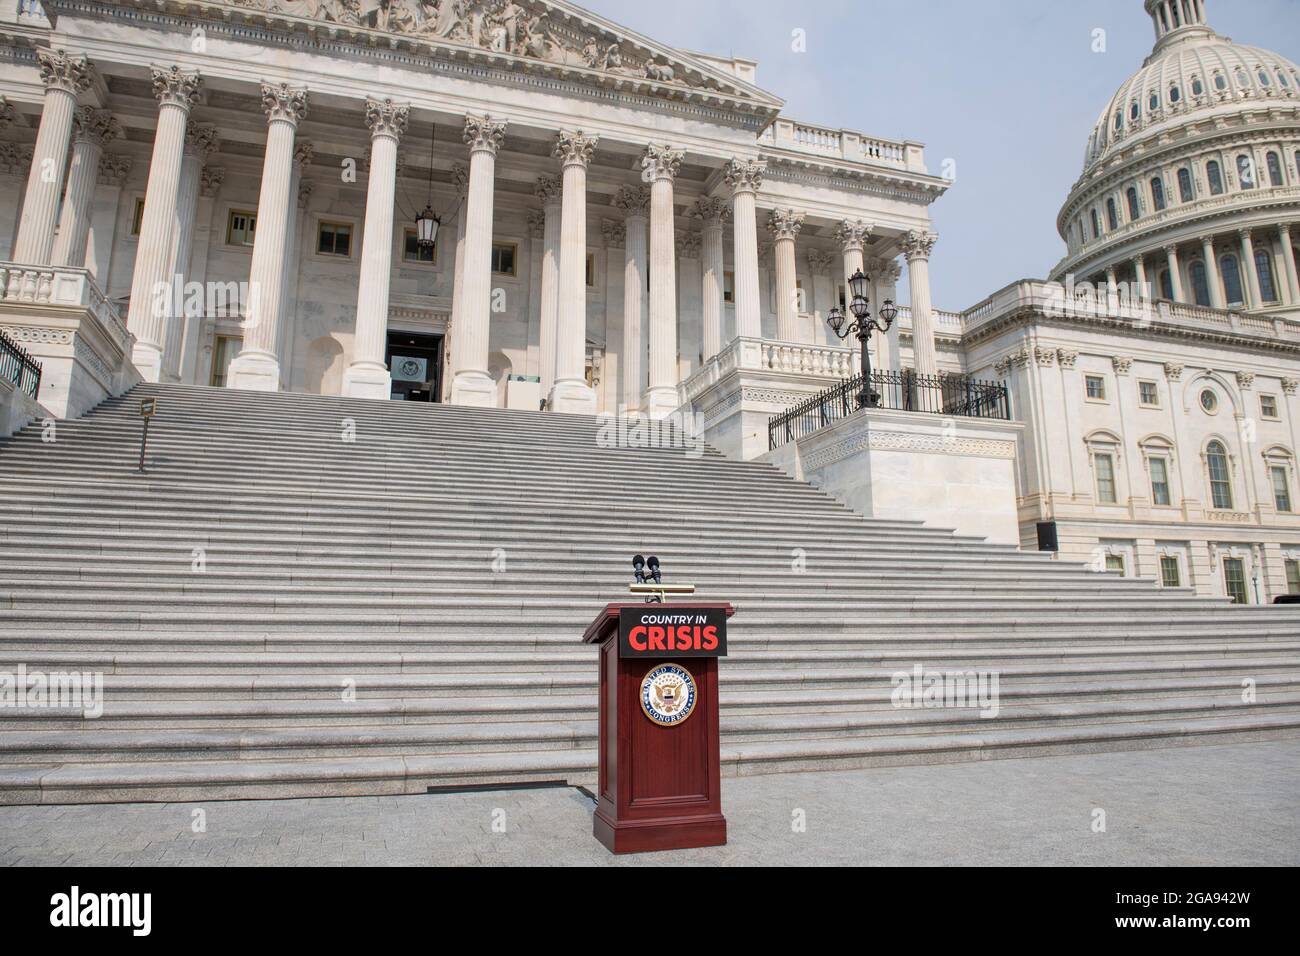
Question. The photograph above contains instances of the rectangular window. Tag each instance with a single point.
(1281, 487)
(137, 217)
(1105, 466)
(1096, 387)
(1159, 481)
(412, 251)
(1170, 574)
(1234, 580)
(1268, 406)
(240, 228)
(591, 270)
(1115, 562)
(728, 287)
(1148, 393)
(1292, 576)
(503, 258)
(334, 239)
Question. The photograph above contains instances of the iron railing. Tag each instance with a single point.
(953, 395)
(17, 366)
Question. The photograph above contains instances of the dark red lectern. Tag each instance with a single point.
(660, 776)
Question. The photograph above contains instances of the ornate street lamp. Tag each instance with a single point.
(862, 326)
(427, 222)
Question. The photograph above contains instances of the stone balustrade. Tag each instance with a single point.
(845, 145)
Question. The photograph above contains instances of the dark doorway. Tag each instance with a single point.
(415, 363)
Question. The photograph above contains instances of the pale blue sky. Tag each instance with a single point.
(1009, 89)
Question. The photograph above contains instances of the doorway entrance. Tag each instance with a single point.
(415, 363)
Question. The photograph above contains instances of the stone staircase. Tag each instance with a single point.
(309, 595)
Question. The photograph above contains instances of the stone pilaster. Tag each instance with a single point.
(92, 130)
(113, 171)
(460, 181)
(367, 376)
(659, 166)
(176, 91)
(65, 77)
(711, 213)
(745, 177)
(916, 248)
(257, 366)
(783, 226)
(471, 383)
(635, 203)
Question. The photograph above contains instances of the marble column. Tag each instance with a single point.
(1292, 282)
(65, 77)
(1250, 275)
(459, 180)
(745, 177)
(659, 166)
(471, 383)
(15, 164)
(550, 192)
(257, 366)
(151, 293)
(367, 374)
(783, 226)
(113, 171)
(885, 273)
(916, 249)
(200, 141)
(712, 213)
(211, 179)
(300, 189)
(852, 235)
(92, 130)
(1175, 273)
(1212, 277)
(1140, 278)
(570, 391)
(822, 265)
(635, 203)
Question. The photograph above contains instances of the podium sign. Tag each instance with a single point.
(659, 783)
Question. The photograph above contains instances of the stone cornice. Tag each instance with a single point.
(552, 40)
(873, 181)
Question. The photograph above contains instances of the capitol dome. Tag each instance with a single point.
(1201, 144)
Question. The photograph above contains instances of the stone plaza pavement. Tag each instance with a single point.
(1236, 804)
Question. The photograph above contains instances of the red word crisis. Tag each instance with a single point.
(683, 637)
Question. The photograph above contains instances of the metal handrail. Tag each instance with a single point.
(18, 366)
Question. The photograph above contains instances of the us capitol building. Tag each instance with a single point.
(521, 204)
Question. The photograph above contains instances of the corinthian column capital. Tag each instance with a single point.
(745, 175)
(303, 154)
(711, 210)
(852, 234)
(660, 162)
(284, 103)
(918, 245)
(90, 125)
(460, 178)
(784, 223)
(386, 118)
(172, 86)
(548, 190)
(633, 200)
(113, 170)
(483, 133)
(574, 147)
(200, 141)
(60, 71)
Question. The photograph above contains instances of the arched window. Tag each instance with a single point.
(1096, 224)
(1200, 287)
(1281, 78)
(1134, 209)
(1134, 110)
(1112, 216)
(1297, 162)
(1153, 101)
(1243, 80)
(1246, 171)
(1274, 169)
(1175, 94)
(1166, 285)
(1263, 78)
(1216, 461)
(1119, 121)
(1215, 175)
(1185, 193)
(1220, 83)
(1231, 279)
(1197, 86)
(1264, 269)
(1158, 193)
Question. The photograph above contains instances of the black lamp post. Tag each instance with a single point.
(863, 326)
(427, 222)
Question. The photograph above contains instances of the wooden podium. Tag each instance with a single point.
(659, 784)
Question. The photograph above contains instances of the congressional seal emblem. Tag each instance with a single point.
(668, 694)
